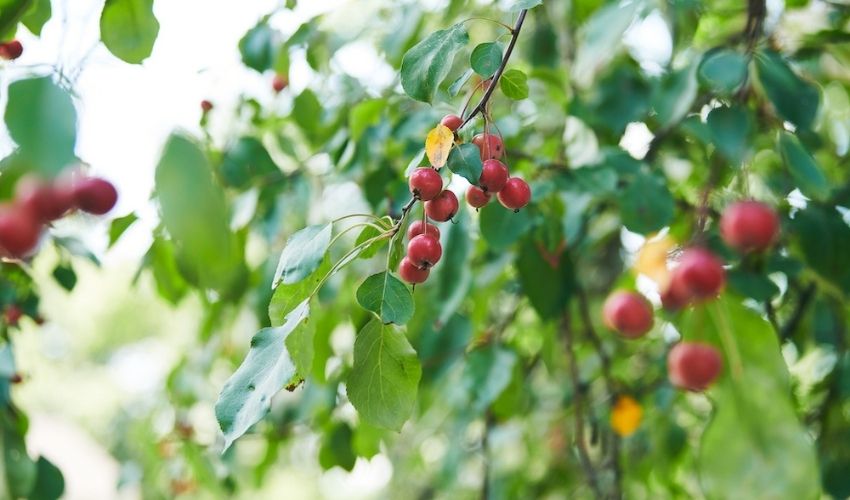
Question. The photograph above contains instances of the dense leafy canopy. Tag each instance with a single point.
(498, 376)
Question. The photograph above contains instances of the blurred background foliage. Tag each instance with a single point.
(635, 112)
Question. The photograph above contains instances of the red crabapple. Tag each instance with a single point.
(425, 183)
(494, 176)
(206, 106)
(418, 227)
(443, 207)
(749, 226)
(12, 315)
(675, 296)
(693, 365)
(279, 82)
(515, 195)
(19, 230)
(410, 273)
(453, 122)
(47, 201)
(11, 50)
(477, 197)
(490, 145)
(95, 195)
(424, 251)
(627, 313)
(701, 273)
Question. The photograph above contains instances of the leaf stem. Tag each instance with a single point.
(480, 107)
(500, 23)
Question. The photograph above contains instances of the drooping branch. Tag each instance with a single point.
(482, 104)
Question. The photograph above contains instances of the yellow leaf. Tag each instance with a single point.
(438, 144)
(626, 416)
(652, 259)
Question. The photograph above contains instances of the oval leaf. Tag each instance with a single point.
(730, 130)
(723, 70)
(128, 28)
(386, 296)
(428, 62)
(303, 253)
(384, 380)
(514, 84)
(465, 160)
(646, 205)
(803, 167)
(247, 394)
(438, 143)
(486, 58)
(795, 99)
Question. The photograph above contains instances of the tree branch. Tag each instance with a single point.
(482, 104)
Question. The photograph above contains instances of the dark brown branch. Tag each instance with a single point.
(579, 403)
(794, 321)
(482, 104)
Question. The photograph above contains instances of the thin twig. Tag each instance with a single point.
(794, 321)
(482, 104)
(578, 391)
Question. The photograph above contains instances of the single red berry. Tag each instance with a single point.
(515, 195)
(95, 196)
(425, 183)
(19, 230)
(412, 274)
(280, 82)
(15, 378)
(494, 176)
(11, 50)
(47, 201)
(749, 226)
(418, 227)
(675, 295)
(491, 146)
(693, 365)
(477, 197)
(443, 207)
(453, 122)
(206, 106)
(701, 273)
(628, 313)
(13, 315)
(424, 251)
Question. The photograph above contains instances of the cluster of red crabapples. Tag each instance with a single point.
(747, 227)
(39, 202)
(426, 184)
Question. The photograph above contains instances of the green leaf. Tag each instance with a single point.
(548, 281)
(428, 63)
(364, 115)
(49, 485)
(66, 277)
(258, 47)
(722, 70)
(384, 380)
(287, 297)
(486, 58)
(208, 252)
(674, 96)
(336, 448)
(465, 160)
(730, 132)
(794, 98)
(119, 225)
(128, 28)
(307, 112)
(646, 205)
(11, 11)
(750, 284)
(822, 237)
(601, 37)
(246, 396)
(386, 296)
(501, 227)
(754, 446)
(162, 261)
(514, 84)
(486, 374)
(457, 85)
(452, 279)
(42, 120)
(303, 253)
(519, 5)
(247, 161)
(20, 470)
(365, 235)
(803, 167)
(38, 14)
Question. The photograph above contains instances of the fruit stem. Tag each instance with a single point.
(495, 80)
